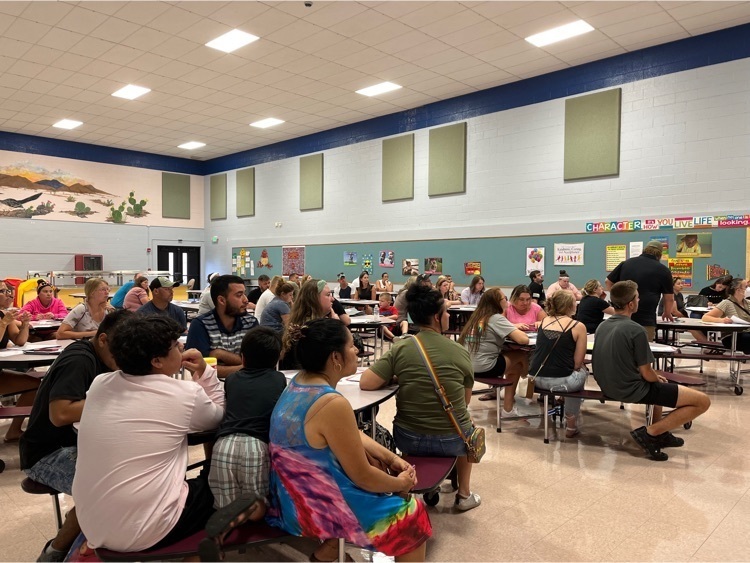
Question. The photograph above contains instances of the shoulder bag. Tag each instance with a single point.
(475, 441)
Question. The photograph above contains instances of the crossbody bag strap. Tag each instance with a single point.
(439, 389)
(741, 307)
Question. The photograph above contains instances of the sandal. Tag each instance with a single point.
(714, 351)
(571, 431)
(491, 395)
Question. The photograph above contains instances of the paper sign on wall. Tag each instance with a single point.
(683, 268)
(535, 259)
(569, 254)
(613, 255)
(636, 248)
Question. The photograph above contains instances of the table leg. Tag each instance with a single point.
(373, 413)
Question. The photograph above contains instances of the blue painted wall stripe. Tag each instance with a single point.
(694, 52)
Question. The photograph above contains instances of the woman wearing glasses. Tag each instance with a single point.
(83, 320)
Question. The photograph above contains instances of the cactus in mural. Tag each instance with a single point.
(82, 209)
(70, 199)
(136, 207)
(45, 208)
(117, 214)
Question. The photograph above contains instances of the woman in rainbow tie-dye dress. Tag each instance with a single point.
(322, 484)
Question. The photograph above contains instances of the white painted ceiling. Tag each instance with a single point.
(64, 59)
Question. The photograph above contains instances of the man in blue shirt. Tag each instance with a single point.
(162, 293)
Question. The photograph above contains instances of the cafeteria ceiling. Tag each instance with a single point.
(63, 60)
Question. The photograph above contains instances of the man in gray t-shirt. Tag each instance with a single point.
(622, 367)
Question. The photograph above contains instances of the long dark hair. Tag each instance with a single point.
(490, 304)
(317, 340)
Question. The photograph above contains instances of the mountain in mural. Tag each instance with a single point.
(53, 185)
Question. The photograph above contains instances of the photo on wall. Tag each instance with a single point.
(350, 258)
(473, 268)
(695, 245)
(387, 259)
(433, 265)
(410, 266)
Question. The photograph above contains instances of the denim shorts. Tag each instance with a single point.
(56, 470)
(440, 445)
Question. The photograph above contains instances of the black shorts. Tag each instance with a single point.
(199, 506)
(662, 394)
(498, 370)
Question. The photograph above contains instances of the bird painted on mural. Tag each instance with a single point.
(19, 202)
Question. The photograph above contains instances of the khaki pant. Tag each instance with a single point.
(650, 332)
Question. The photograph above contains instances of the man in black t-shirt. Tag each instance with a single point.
(264, 282)
(537, 287)
(654, 280)
(48, 447)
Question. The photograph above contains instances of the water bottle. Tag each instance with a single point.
(376, 313)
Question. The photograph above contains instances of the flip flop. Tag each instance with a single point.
(489, 396)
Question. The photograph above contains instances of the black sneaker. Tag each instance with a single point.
(650, 444)
(669, 440)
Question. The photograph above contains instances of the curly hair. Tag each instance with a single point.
(139, 339)
(423, 303)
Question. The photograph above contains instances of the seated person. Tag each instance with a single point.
(365, 290)
(46, 305)
(137, 297)
(443, 285)
(118, 299)
(129, 485)
(388, 311)
(264, 282)
(563, 282)
(735, 305)
(622, 368)
(484, 337)
(383, 284)
(521, 311)
(219, 332)
(679, 312)
(240, 461)
(400, 304)
(472, 294)
(343, 291)
(717, 291)
(162, 293)
(557, 360)
(14, 327)
(421, 426)
(267, 296)
(206, 304)
(83, 319)
(593, 306)
(276, 313)
(316, 446)
(48, 447)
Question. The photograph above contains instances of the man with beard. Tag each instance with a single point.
(537, 287)
(218, 333)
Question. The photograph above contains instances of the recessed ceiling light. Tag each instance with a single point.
(67, 124)
(381, 88)
(191, 145)
(131, 92)
(559, 33)
(232, 40)
(269, 122)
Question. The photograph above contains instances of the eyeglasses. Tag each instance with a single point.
(6, 291)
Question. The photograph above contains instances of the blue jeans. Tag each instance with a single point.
(573, 382)
(439, 445)
(56, 470)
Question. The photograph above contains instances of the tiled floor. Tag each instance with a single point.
(592, 498)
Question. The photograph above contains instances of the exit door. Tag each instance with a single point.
(183, 262)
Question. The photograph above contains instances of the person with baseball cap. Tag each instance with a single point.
(162, 293)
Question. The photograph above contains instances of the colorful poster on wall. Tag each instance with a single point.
(292, 260)
(473, 268)
(569, 254)
(241, 262)
(696, 245)
(682, 267)
(410, 266)
(714, 271)
(350, 258)
(636, 248)
(535, 259)
(387, 259)
(664, 240)
(367, 263)
(613, 255)
(264, 261)
(433, 265)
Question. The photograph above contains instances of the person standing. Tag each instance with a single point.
(537, 287)
(654, 281)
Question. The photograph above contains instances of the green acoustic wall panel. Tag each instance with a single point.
(447, 170)
(592, 135)
(311, 182)
(219, 196)
(398, 168)
(246, 192)
(175, 196)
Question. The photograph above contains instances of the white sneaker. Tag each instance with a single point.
(464, 504)
(512, 413)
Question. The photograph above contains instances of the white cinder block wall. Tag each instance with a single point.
(685, 149)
